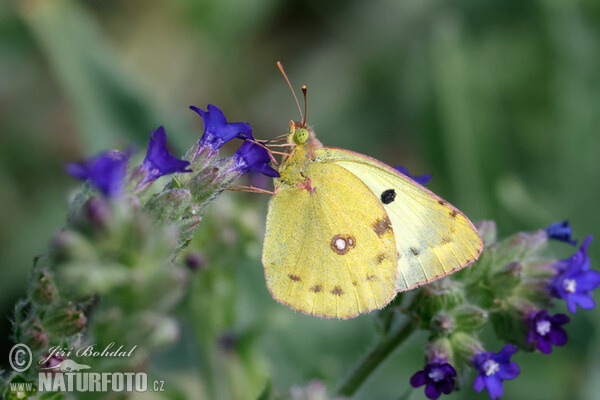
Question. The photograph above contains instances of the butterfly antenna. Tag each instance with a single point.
(305, 109)
(291, 88)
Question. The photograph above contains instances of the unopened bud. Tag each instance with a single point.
(195, 261)
(505, 279)
(444, 294)
(509, 325)
(469, 317)
(65, 321)
(440, 349)
(44, 290)
(487, 231)
(465, 346)
(442, 324)
(97, 212)
(37, 336)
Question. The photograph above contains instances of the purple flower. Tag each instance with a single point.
(158, 161)
(493, 368)
(575, 280)
(437, 376)
(217, 131)
(105, 171)
(546, 330)
(561, 230)
(421, 180)
(252, 157)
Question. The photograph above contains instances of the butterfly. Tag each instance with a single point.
(346, 232)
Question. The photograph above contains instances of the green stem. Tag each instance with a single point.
(375, 357)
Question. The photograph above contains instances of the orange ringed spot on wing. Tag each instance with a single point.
(341, 245)
(337, 291)
(381, 226)
(295, 278)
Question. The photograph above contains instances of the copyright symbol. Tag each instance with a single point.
(20, 357)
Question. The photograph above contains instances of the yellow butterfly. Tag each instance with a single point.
(346, 232)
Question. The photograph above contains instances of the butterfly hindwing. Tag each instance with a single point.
(329, 249)
(432, 237)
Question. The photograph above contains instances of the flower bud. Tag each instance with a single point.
(469, 317)
(506, 278)
(44, 290)
(442, 324)
(487, 231)
(509, 325)
(37, 336)
(195, 261)
(65, 321)
(520, 246)
(439, 349)
(444, 294)
(465, 346)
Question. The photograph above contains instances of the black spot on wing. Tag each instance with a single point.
(387, 196)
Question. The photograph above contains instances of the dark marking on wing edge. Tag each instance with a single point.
(316, 288)
(295, 278)
(371, 278)
(381, 257)
(446, 240)
(337, 291)
(381, 226)
(414, 251)
(453, 213)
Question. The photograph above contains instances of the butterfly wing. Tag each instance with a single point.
(329, 249)
(433, 238)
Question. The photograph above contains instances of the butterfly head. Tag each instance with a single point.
(302, 135)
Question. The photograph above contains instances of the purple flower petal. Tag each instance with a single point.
(494, 386)
(558, 337)
(252, 157)
(437, 376)
(561, 231)
(217, 131)
(158, 161)
(493, 369)
(478, 384)
(421, 180)
(432, 392)
(105, 171)
(509, 371)
(588, 280)
(418, 379)
(575, 280)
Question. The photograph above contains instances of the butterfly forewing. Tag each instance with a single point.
(432, 237)
(333, 252)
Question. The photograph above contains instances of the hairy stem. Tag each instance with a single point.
(386, 345)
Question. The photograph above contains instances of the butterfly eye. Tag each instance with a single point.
(301, 136)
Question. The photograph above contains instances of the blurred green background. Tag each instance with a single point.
(499, 100)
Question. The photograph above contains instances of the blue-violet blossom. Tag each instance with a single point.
(158, 161)
(546, 330)
(561, 231)
(217, 131)
(575, 280)
(252, 157)
(421, 180)
(437, 376)
(105, 171)
(493, 368)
